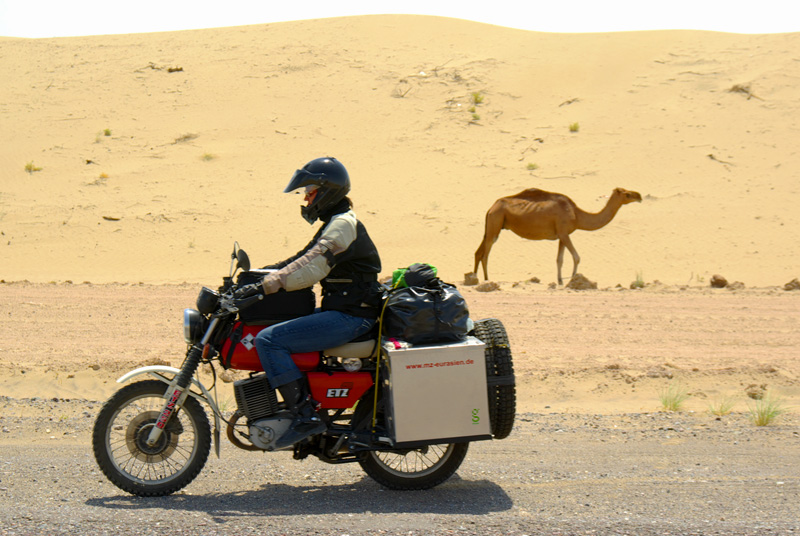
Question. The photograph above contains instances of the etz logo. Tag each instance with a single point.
(340, 392)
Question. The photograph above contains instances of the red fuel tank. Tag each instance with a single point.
(244, 356)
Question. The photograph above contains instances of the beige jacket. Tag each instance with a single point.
(315, 264)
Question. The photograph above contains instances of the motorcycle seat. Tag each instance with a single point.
(360, 349)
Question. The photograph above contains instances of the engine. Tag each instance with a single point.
(256, 398)
(258, 402)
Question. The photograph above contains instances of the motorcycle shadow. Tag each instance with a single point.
(456, 496)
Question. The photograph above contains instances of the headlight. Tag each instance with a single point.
(207, 300)
(192, 326)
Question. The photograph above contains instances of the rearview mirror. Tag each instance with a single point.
(243, 260)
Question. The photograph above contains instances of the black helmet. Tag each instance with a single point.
(332, 182)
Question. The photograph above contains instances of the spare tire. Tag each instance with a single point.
(501, 385)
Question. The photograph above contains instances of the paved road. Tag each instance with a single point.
(637, 474)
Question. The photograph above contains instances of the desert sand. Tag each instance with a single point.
(135, 161)
(130, 164)
(157, 151)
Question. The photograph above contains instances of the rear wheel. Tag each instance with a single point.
(415, 469)
(499, 376)
(121, 431)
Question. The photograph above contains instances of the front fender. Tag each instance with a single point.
(156, 371)
(167, 375)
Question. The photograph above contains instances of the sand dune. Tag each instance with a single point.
(147, 156)
(157, 151)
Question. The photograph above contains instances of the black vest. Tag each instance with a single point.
(352, 285)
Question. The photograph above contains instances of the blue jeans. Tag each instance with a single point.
(312, 333)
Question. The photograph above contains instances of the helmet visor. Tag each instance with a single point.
(302, 178)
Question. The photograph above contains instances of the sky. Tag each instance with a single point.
(68, 18)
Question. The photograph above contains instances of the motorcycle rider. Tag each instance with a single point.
(342, 257)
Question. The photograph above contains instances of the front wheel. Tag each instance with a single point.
(414, 469)
(121, 431)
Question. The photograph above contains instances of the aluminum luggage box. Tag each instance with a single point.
(437, 393)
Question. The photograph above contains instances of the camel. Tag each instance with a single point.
(538, 215)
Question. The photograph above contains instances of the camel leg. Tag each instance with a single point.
(482, 256)
(565, 243)
(494, 224)
(479, 258)
(575, 257)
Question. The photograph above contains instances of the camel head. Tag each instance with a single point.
(627, 196)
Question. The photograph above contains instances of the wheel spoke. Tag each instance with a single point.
(121, 434)
(415, 462)
(127, 435)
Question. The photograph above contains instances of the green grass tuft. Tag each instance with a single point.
(721, 406)
(30, 167)
(673, 396)
(764, 412)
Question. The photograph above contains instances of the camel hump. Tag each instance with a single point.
(535, 195)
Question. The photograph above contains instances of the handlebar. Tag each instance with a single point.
(247, 302)
(229, 304)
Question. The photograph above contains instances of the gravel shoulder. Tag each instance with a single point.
(644, 474)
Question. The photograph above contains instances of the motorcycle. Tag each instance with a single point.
(406, 414)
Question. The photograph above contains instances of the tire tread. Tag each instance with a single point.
(499, 364)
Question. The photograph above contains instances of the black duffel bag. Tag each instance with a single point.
(429, 314)
(276, 307)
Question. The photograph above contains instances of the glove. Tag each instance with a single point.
(271, 284)
(247, 291)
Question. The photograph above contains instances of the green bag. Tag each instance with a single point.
(415, 275)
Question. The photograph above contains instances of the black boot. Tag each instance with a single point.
(306, 422)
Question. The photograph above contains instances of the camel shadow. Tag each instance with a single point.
(457, 496)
